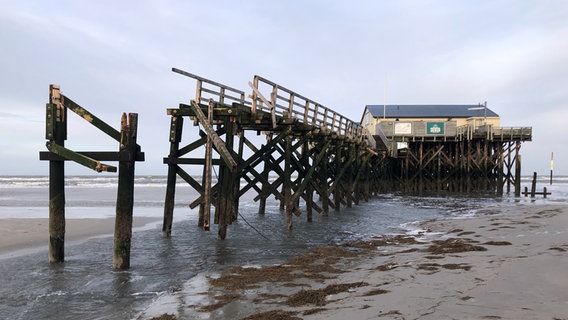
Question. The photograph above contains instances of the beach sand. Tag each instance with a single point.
(508, 263)
(23, 236)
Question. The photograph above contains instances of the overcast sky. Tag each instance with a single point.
(116, 56)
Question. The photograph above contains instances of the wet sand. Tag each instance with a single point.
(22, 236)
(505, 264)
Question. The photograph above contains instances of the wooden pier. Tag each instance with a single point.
(309, 149)
(278, 143)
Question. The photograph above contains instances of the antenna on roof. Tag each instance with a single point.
(385, 99)
(481, 107)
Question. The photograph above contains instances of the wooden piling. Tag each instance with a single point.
(56, 131)
(518, 175)
(207, 167)
(287, 186)
(56, 211)
(225, 196)
(533, 185)
(125, 194)
(176, 127)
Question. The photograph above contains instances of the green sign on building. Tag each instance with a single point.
(434, 128)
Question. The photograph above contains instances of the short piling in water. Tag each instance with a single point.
(125, 194)
(533, 192)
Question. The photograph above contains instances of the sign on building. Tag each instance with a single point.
(402, 128)
(434, 128)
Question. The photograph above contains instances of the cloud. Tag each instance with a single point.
(113, 57)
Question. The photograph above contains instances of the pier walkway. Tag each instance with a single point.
(309, 149)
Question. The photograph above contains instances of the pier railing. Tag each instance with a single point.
(304, 109)
(281, 102)
(495, 133)
(207, 89)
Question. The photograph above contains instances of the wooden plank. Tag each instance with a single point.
(79, 158)
(191, 161)
(91, 118)
(219, 144)
(96, 155)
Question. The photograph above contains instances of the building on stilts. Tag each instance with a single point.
(446, 148)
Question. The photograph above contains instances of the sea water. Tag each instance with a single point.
(85, 286)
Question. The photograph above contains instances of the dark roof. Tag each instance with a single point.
(430, 111)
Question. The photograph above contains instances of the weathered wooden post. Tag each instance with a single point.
(264, 188)
(324, 172)
(207, 173)
(56, 132)
(176, 127)
(338, 164)
(125, 194)
(309, 189)
(225, 196)
(500, 170)
(518, 174)
(287, 186)
(533, 185)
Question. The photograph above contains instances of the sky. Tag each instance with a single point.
(116, 56)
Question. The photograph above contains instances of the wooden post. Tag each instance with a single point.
(500, 172)
(509, 166)
(56, 131)
(207, 173)
(309, 190)
(176, 126)
(287, 186)
(125, 195)
(225, 201)
(518, 175)
(237, 182)
(349, 188)
(338, 165)
(265, 174)
(533, 185)
(324, 172)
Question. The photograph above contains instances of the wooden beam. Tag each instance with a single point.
(79, 158)
(219, 144)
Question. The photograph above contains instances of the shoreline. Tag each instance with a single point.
(505, 263)
(24, 236)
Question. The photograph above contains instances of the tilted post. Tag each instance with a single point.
(176, 126)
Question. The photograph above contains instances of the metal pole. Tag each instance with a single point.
(551, 166)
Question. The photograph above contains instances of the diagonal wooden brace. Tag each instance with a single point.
(79, 158)
(219, 144)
